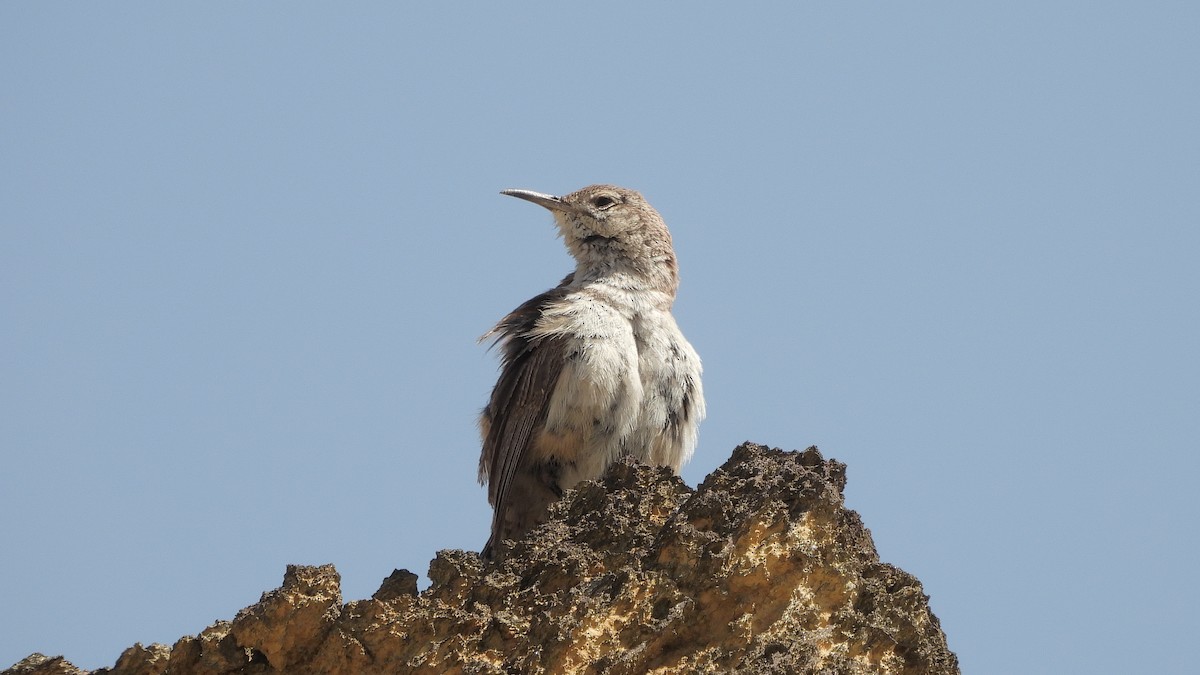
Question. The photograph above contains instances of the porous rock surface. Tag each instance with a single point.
(760, 569)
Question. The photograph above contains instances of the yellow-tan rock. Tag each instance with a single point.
(760, 569)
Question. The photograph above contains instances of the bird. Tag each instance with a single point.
(593, 369)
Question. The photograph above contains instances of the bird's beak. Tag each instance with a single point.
(549, 201)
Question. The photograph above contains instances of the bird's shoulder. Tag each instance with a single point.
(520, 322)
(574, 311)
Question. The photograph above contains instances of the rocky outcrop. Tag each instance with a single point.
(760, 569)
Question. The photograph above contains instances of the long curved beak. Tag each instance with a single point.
(549, 201)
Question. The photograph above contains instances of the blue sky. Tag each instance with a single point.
(246, 250)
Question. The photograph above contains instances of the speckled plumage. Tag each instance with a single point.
(592, 369)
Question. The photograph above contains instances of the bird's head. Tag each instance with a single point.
(608, 228)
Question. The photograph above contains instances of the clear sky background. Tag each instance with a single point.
(246, 250)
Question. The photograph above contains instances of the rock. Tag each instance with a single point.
(40, 664)
(400, 583)
(214, 650)
(289, 623)
(761, 569)
(139, 660)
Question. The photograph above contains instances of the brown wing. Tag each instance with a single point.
(517, 409)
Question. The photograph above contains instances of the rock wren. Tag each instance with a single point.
(592, 369)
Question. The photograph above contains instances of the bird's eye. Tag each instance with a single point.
(603, 202)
